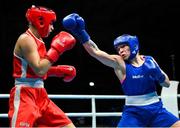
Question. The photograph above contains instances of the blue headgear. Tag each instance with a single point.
(131, 41)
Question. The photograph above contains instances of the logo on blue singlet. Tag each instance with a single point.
(137, 76)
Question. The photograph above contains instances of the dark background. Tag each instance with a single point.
(155, 22)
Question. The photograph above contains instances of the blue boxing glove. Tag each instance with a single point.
(153, 70)
(76, 25)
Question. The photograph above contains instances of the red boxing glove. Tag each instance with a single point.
(60, 43)
(66, 71)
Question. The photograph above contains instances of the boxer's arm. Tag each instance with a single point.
(66, 71)
(155, 72)
(28, 51)
(113, 61)
(76, 25)
(166, 82)
(61, 42)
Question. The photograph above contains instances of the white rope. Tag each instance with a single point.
(98, 114)
(93, 112)
(52, 96)
(81, 96)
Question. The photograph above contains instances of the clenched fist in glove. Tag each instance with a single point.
(67, 72)
(60, 43)
(154, 70)
(75, 24)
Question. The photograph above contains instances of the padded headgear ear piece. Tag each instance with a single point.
(131, 41)
(41, 18)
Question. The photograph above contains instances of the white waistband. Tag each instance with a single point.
(30, 82)
(141, 100)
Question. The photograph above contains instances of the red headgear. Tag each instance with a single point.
(41, 18)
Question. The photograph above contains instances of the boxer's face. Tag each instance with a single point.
(50, 29)
(124, 51)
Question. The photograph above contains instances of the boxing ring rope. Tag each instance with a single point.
(93, 112)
